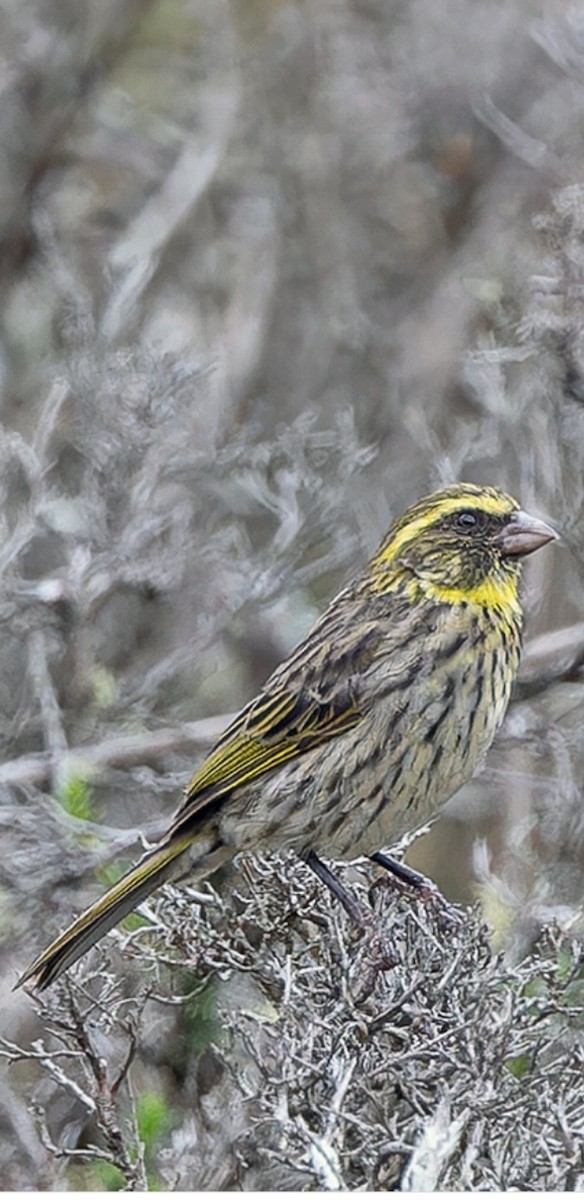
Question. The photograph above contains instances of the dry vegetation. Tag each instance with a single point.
(304, 1059)
(269, 272)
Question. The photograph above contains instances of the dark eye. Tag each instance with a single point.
(465, 521)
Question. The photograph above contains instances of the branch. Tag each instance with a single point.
(555, 657)
(124, 751)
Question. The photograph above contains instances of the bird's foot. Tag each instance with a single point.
(374, 950)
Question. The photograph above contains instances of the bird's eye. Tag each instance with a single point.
(465, 521)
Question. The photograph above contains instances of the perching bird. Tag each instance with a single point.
(377, 717)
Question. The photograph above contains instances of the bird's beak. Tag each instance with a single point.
(523, 534)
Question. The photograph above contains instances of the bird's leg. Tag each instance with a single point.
(404, 873)
(358, 913)
(414, 879)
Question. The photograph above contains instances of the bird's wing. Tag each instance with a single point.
(274, 728)
(295, 712)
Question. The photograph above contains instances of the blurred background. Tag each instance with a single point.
(270, 271)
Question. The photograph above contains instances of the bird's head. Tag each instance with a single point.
(462, 543)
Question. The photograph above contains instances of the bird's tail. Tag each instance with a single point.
(156, 868)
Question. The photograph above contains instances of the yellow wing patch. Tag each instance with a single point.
(272, 730)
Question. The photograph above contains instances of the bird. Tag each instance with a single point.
(370, 724)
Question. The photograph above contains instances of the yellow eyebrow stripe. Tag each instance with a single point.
(495, 504)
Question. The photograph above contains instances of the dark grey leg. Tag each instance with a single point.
(356, 911)
(424, 886)
(407, 874)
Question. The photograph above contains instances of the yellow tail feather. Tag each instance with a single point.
(124, 896)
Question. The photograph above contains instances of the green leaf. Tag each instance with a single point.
(537, 988)
(519, 1066)
(74, 795)
(107, 1177)
(153, 1118)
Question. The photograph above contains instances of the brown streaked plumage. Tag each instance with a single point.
(375, 719)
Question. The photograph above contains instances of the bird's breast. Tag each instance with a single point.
(430, 712)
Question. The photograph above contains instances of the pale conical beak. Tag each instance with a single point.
(523, 534)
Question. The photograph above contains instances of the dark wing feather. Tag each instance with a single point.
(312, 697)
(272, 730)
